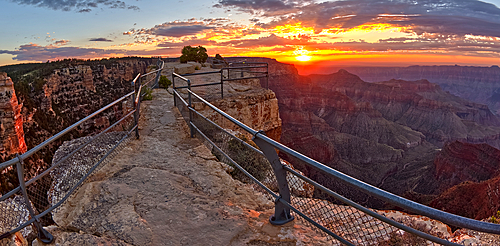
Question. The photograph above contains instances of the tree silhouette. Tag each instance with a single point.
(196, 54)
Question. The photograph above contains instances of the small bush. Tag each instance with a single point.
(164, 82)
(147, 94)
(197, 68)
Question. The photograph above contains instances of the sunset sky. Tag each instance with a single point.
(348, 33)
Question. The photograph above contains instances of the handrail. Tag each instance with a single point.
(61, 133)
(404, 203)
(34, 219)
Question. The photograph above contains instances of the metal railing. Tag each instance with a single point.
(339, 217)
(235, 71)
(43, 192)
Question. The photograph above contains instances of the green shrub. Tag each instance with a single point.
(147, 94)
(164, 82)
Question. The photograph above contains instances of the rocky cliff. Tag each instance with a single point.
(387, 133)
(477, 84)
(53, 96)
(11, 120)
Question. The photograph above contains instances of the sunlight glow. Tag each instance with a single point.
(303, 58)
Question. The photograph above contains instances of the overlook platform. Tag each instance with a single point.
(168, 189)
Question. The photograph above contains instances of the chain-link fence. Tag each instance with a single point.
(46, 177)
(308, 189)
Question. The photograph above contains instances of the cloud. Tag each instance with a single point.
(81, 6)
(432, 16)
(100, 40)
(269, 41)
(61, 42)
(179, 31)
(36, 52)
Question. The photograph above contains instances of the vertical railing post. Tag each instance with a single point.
(158, 63)
(173, 88)
(190, 106)
(137, 87)
(43, 235)
(281, 212)
(222, 83)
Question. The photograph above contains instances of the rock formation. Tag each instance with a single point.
(477, 84)
(386, 133)
(11, 120)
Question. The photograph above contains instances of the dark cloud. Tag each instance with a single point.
(80, 6)
(433, 16)
(35, 52)
(271, 40)
(100, 40)
(179, 31)
(263, 7)
(61, 42)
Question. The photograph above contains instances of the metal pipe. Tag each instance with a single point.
(255, 77)
(409, 205)
(370, 212)
(238, 123)
(202, 73)
(61, 133)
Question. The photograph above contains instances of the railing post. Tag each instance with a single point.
(173, 88)
(43, 235)
(222, 83)
(136, 106)
(190, 106)
(157, 75)
(281, 212)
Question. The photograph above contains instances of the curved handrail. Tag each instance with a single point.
(404, 203)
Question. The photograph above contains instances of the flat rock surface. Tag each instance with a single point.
(167, 189)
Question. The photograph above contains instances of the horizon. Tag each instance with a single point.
(339, 33)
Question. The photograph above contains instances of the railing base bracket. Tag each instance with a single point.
(275, 221)
(44, 236)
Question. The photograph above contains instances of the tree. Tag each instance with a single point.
(196, 54)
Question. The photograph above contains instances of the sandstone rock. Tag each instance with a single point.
(70, 238)
(13, 213)
(184, 68)
(15, 240)
(70, 171)
(11, 120)
(458, 162)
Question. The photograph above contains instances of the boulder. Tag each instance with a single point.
(184, 68)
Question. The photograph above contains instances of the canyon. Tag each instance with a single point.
(410, 137)
(476, 84)
(42, 99)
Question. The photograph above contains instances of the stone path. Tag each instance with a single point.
(167, 189)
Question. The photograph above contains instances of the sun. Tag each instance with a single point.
(303, 58)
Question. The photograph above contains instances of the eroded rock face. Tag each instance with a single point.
(386, 133)
(458, 162)
(477, 84)
(470, 199)
(11, 120)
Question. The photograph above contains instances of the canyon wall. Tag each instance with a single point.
(53, 96)
(477, 84)
(11, 120)
(393, 134)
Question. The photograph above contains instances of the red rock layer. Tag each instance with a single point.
(469, 199)
(459, 162)
(11, 120)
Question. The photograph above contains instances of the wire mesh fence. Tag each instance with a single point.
(48, 177)
(340, 216)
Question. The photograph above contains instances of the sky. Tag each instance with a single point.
(342, 33)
